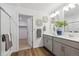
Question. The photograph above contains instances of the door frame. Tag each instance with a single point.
(32, 29)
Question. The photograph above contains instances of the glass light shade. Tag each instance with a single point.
(52, 15)
(72, 5)
(66, 8)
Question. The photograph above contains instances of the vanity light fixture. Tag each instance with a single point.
(54, 14)
(66, 8)
(72, 6)
(57, 12)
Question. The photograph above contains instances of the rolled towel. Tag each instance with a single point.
(8, 43)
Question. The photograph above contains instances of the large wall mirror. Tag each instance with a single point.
(71, 15)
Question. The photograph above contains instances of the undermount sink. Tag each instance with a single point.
(71, 35)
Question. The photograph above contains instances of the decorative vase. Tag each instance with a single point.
(60, 31)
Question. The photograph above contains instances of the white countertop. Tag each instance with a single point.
(66, 36)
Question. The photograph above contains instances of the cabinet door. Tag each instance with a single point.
(74, 52)
(48, 42)
(57, 48)
(69, 51)
(49, 45)
(45, 40)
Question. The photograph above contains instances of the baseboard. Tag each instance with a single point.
(37, 46)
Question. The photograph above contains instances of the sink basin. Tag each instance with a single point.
(71, 35)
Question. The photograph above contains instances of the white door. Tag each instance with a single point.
(5, 29)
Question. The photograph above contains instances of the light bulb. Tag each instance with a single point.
(66, 8)
(72, 5)
(57, 12)
(52, 15)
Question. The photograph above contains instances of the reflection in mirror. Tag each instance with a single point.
(72, 17)
(72, 27)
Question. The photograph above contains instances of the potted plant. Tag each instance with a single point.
(60, 24)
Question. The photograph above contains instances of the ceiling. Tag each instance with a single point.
(43, 7)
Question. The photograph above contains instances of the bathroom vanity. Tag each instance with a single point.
(61, 45)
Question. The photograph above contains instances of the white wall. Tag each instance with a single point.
(48, 29)
(37, 42)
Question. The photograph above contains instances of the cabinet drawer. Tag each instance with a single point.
(68, 42)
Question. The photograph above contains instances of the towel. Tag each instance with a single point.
(38, 33)
(8, 43)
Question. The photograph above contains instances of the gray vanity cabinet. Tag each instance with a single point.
(47, 42)
(67, 50)
(63, 47)
(74, 52)
(70, 51)
(58, 49)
